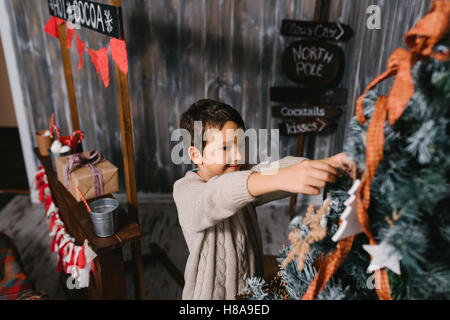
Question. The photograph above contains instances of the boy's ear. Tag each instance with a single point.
(195, 155)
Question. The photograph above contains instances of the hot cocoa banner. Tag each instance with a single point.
(100, 57)
(99, 17)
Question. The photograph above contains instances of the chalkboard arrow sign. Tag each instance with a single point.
(316, 30)
(334, 96)
(305, 111)
(313, 63)
(99, 17)
(303, 126)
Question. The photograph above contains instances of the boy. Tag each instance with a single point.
(216, 202)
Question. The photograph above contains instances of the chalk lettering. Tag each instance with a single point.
(303, 126)
(309, 69)
(58, 7)
(303, 112)
(328, 57)
(312, 53)
(313, 63)
(84, 17)
(317, 30)
(100, 17)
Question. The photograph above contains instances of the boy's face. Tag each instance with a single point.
(224, 151)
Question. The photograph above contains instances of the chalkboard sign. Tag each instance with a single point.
(306, 125)
(305, 111)
(333, 96)
(316, 30)
(313, 63)
(96, 16)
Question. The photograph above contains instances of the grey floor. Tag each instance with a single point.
(24, 222)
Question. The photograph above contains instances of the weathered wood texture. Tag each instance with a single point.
(67, 65)
(126, 129)
(180, 51)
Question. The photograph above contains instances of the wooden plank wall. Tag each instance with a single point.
(180, 51)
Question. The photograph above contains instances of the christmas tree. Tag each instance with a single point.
(383, 232)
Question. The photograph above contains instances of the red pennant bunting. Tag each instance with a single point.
(51, 27)
(99, 57)
(70, 33)
(80, 48)
(100, 61)
(119, 54)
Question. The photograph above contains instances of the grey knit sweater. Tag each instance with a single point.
(220, 226)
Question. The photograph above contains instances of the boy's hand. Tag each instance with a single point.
(306, 177)
(343, 162)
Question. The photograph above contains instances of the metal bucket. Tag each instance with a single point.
(53, 156)
(104, 216)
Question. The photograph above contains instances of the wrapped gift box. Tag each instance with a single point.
(83, 177)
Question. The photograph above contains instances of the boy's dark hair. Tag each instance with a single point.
(212, 114)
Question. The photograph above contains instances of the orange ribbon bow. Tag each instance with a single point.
(421, 41)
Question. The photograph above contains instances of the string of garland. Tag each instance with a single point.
(73, 259)
(99, 58)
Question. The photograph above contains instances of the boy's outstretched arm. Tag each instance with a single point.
(202, 205)
(307, 176)
(278, 194)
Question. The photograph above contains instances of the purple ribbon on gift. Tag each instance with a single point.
(77, 160)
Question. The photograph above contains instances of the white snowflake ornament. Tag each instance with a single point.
(350, 224)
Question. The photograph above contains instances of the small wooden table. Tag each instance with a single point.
(108, 279)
